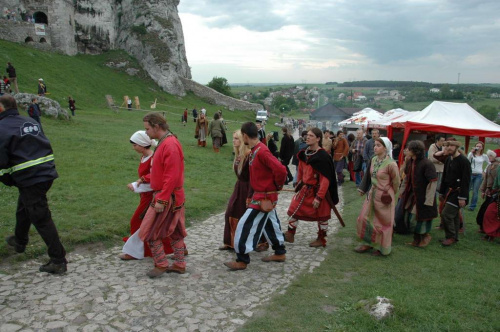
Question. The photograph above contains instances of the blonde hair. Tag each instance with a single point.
(240, 152)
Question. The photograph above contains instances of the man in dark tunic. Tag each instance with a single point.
(454, 190)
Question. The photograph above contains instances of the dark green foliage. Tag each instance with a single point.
(220, 84)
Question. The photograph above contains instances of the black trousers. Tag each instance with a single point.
(33, 208)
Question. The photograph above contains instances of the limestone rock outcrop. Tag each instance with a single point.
(48, 106)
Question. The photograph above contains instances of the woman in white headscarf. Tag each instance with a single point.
(376, 220)
(134, 248)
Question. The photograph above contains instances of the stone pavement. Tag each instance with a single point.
(102, 293)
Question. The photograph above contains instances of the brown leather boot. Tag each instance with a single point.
(264, 246)
(320, 241)
(274, 258)
(156, 272)
(176, 269)
(126, 257)
(236, 266)
(426, 239)
(448, 242)
(290, 236)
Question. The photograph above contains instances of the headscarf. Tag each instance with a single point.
(141, 138)
(388, 146)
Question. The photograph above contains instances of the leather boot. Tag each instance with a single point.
(417, 238)
(199, 143)
(176, 269)
(426, 239)
(262, 247)
(204, 144)
(236, 266)
(320, 241)
(274, 258)
(290, 235)
(156, 272)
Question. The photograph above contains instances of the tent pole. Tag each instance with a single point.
(403, 143)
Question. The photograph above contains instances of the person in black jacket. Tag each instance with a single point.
(34, 111)
(286, 152)
(11, 71)
(27, 162)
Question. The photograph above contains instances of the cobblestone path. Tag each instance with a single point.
(102, 293)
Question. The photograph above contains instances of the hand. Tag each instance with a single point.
(361, 193)
(159, 207)
(130, 187)
(461, 203)
(315, 203)
(441, 198)
(482, 195)
(247, 203)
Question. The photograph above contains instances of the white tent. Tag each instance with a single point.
(362, 118)
(388, 118)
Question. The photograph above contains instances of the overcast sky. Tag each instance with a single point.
(270, 41)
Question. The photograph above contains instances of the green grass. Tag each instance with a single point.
(432, 289)
(94, 159)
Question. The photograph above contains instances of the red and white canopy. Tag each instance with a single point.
(362, 118)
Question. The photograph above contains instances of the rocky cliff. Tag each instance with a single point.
(149, 30)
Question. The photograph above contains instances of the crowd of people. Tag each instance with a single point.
(399, 198)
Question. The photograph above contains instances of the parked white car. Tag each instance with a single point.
(261, 115)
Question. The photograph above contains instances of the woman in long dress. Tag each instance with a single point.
(201, 129)
(134, 248)
(491, 219)
(376, 220)
(237, 203)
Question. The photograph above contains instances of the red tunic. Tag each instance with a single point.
(267, 175)
(315, 184)
(146, 198)
(167, 180)
(167, 172)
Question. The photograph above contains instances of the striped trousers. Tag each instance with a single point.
(250, 228)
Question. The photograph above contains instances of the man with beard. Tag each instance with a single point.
(454, 190)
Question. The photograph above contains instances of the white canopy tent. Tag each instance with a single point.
(361, 118)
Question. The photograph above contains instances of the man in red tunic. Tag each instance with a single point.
(316, 189)
(165, 217)
(267, 176)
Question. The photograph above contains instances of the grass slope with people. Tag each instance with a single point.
(90, 202)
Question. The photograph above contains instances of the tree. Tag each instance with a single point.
(220, 84)
(489, 112)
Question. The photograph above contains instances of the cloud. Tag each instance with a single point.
(332, 35)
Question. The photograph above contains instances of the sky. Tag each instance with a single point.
(296, 41)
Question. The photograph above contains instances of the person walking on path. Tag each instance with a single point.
(134, 248)
(165, 216)
(437, 146)
(27, 162)
(286, 152)
(357, 148)
(341, 150)
(376, 220)
(237, 202)
(34, 111)
(477, 159)
(316, 189)
(11, 72)
(201, 130)
(419, 193)
(267, 176)
(71, 105)
(454, 190)
(215, 130)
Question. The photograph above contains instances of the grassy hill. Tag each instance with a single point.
(94, 158)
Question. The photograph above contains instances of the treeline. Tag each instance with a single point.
(486, 88)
